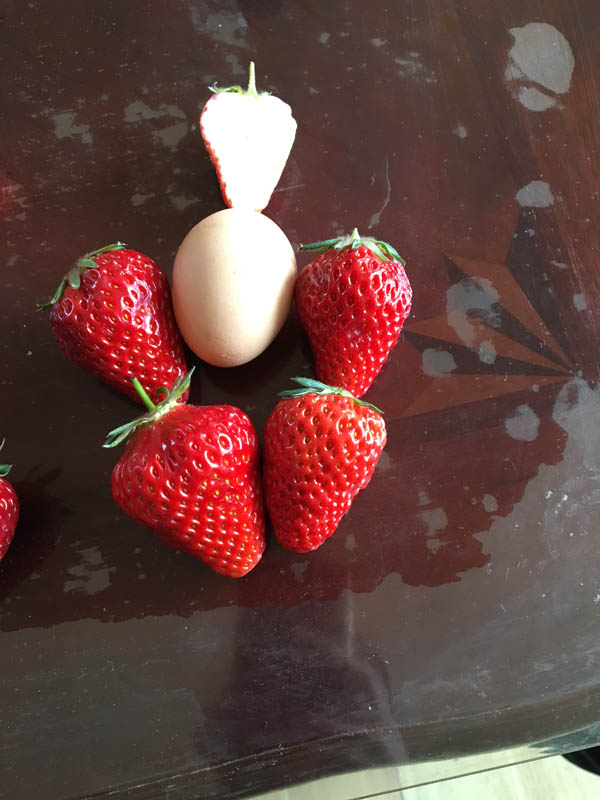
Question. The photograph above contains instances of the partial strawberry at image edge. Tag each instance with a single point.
(321, 446)
(192, 475)
(248, 136)
(112, 316)
(9, 509)
(352, 300)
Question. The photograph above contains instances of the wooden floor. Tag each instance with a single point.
(545, 779)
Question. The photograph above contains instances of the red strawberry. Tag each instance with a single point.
(112, 315)
(352, 301)
(248, 136)
(9, 509)
(321, 446)
(191, 475)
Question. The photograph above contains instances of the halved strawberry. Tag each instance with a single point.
(248, 135)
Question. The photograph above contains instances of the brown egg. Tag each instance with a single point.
(233, 285)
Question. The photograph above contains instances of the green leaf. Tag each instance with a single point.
(155, 410)
(108, 248)
(121, 433)
(251, 91)
(310, 383)
(73, 277)
(312, 386)
(4, 468)
(319, 247)
(55, 298)
(382, 250)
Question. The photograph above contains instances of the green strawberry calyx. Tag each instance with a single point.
(382, 250)
(73, 276)
(311, 386)
(4, 468)
(155, 410)
(249, 92)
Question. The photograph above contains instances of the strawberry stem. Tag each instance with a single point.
(155, 411)
(252, 81)
(4, 468)
(382, 250)
(312, 386)
(73, 277)
(143, 394)
(251, 91)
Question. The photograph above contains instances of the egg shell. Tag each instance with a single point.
(233, 285)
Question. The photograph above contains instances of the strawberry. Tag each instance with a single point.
(352, 301)
(191, 475)
(112, 315)
(9, 509)
(248, 135)
(321, 446)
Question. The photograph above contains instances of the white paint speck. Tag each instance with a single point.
(559, 264)
(437, 362)
(523, 425)
(378, 42)
(298, 570)
(460, 131)
(413, 67)
(534, 100)
(385, 462)
(435, 519)
(536, 194)
(172, 135)
(182, 201)
(235, 67)
(487, 352)
(375, 218)
(324, 38)
(579, 302)
(424, 498)
(139, 111)
(139, 199)
(541, 54)
(490, 503)
(65, 127)
(471, 294)
(90, 577)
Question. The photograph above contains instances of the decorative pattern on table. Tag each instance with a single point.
(493, 340)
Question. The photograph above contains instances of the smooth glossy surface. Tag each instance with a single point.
(457, 607)
(233, 286)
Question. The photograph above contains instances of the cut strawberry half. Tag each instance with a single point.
(248, 135)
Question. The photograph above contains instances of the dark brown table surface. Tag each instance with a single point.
(457, 609)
